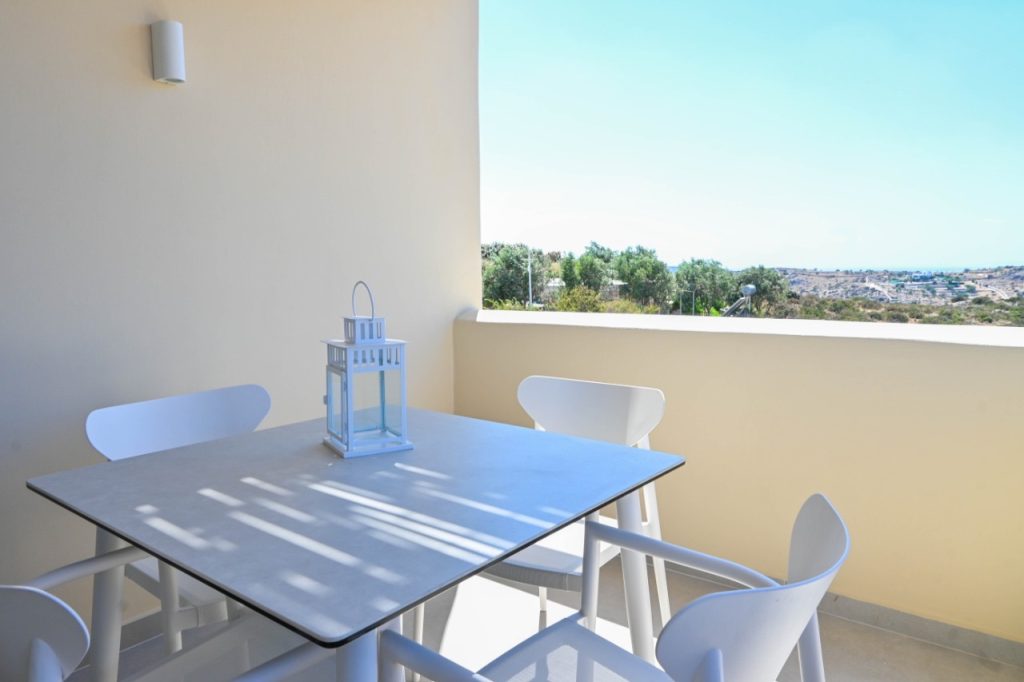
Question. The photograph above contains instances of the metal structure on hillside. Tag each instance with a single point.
(742, 307)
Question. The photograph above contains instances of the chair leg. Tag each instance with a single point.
(419, 616)
(661, 586)
(812, 667)
(543, 594)
(169, 608)
(660, 574)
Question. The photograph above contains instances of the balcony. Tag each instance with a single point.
(913, 431)
(163, 239)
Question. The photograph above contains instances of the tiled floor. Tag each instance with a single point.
(487, 617)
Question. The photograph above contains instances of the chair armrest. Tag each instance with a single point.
(699, 561)
(394, 648)
(87, 567)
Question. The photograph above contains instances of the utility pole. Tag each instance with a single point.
(529, 276)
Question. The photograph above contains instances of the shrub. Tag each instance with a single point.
(504, 305)
(623, 305)
(579, 300)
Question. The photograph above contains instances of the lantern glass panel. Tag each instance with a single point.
(335, 403)
(377, 404)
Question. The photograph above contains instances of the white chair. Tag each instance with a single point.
(42, 639)
(141, 428)
(615, 413)
(739, 635)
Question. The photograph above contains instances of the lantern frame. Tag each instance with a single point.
(365, 350)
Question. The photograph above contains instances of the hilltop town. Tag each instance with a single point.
(906, 286)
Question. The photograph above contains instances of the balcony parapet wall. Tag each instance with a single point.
(915, 432)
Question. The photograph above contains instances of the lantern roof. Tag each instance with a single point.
(345, 343)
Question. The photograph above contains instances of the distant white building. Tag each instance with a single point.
(613, 290)
(552, 288)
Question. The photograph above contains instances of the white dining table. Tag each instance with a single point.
(334, 549)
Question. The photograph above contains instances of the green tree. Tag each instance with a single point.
(771, 288)
(570, 275)
(489, 251)
(646, 278)
(602, 253)
(592, 271)
(506, 276)
(712, 284)
(579, 300)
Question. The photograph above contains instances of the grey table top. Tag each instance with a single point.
(333, 548)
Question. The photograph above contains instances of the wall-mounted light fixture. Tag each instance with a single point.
(168, 51)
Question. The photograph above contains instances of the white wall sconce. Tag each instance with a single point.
(168, 51)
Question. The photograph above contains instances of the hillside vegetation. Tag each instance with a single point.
(979, 310)
(635, 280)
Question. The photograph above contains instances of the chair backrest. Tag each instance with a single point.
(816, 540)
(756, 629)
(152, 425)
(615, 413)
(38, 632)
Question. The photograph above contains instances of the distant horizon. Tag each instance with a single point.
(838, 136)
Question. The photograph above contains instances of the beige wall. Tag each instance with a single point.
(160, 239)
(920, 444)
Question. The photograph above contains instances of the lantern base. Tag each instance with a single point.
(376, 447)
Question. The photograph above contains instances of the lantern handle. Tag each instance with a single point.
(368, 293)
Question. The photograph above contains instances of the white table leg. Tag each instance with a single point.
(357, 660)
(106, 612)
(634, 575)
(391, 672)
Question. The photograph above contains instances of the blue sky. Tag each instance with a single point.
(809, 134)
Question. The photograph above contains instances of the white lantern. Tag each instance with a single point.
(366, 405)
